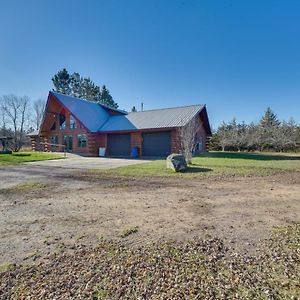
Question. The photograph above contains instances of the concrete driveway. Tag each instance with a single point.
(57, 169)
(74, 161)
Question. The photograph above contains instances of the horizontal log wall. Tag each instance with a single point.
(136, 141)
(175, 141)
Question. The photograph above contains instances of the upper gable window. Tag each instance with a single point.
(53, 127)
(73, 123)
(62, 121)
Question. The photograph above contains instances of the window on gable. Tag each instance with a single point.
(82, 140)
(53, 127)
(73, 123)
(62, 121)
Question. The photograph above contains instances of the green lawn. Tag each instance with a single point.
(21, 157)
(218, 164)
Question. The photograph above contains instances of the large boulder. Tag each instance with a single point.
(176, 162)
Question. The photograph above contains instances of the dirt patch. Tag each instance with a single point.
(83, 209)
(197, 269)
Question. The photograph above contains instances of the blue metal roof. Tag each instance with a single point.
(91, 114)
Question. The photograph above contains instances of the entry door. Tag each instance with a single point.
(68, 142)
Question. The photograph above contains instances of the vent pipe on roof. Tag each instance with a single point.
(142, 106)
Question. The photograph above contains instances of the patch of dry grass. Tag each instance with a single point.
(24, 187)
(5, 267)
(129, 231)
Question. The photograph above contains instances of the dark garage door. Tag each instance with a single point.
(157, 143)
(118, 144)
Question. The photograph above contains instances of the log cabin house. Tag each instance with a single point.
(92, 129)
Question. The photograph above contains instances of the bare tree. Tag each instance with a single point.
(2, 117)
(188, 137)
(224, 136)
(284, 137)
(38, 112)
(15, 111)
(253, 137)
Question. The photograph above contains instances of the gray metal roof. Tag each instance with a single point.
(33, 133)
(152, 119)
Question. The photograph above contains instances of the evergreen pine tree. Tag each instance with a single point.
(268, 125)
(106, 98)
(61, 82)
(75, 85)
(89, 90)
(80, 87)
(269, 119)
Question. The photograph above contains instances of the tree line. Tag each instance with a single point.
(81, 87)
(19, 116)
(269, 134)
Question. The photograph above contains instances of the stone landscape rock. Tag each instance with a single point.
(176, 162)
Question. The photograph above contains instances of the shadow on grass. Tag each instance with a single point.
(254, 156)
(21, 154)
(194, 169)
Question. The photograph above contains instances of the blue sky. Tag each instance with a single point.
(237, 57)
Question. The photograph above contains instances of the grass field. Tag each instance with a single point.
(218, 164)
(21, 157)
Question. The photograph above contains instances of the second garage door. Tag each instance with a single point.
(157, 144)
(118, 144)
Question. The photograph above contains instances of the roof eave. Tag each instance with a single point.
(139, 129)
(99, 103)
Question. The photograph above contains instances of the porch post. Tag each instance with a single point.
(33, 143)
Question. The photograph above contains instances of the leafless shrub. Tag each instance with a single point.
(188, 137)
